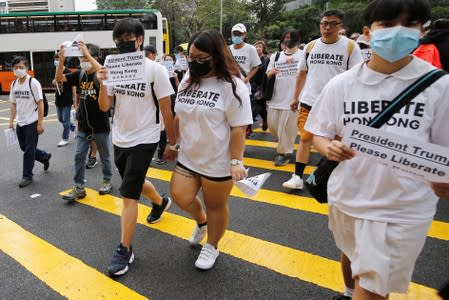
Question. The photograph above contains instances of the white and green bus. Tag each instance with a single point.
(36, 35)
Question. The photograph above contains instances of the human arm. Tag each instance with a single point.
(104, 100)
(441, 189)
(237, 144)
(251, 74)
(299, 85)
(167, 116)
(333, 150)
(12, 115)
(40, 116)
(59, 75)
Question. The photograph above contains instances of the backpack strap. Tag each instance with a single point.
(309, 48)
(351, 46)
(32, 93)
(156, 102)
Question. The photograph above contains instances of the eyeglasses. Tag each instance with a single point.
(200, 60)
(331, 24)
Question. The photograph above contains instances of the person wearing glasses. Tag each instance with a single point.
(135, 135)
(212, 112)
(380, 215)
(324, 58)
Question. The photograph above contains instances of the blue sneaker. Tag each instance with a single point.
(120, 260)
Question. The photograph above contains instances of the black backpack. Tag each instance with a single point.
(34, 98)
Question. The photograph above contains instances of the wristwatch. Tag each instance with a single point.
(236, 162)
(174, 147)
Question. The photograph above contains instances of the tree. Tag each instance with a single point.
(266, 12)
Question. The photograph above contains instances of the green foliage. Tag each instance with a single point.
(117, 4)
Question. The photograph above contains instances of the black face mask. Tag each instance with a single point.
(126, 47)
(199, 70)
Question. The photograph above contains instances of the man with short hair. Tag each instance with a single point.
(246, 57)
(27, 105)
(93, 124)
(324, 58)
(135, 134)
(150, 52)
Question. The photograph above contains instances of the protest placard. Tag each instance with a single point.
(422, 159)
(11, 137)
(125, 68)
(287, 69)
(169, 65)
(71, 49)
(251, 185)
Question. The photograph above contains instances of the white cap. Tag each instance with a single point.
(239, 27)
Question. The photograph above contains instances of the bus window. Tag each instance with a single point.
(66, 23)
(92, 22)
(42, 24)
(6, 74)
(149, 21)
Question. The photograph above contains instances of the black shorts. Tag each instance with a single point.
(132, 164)
(207, 177)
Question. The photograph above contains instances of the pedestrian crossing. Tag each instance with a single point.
(57, 267)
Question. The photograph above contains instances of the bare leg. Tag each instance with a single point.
(150, 192)
(128, 221)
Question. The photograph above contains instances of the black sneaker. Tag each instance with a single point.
(341, 297)
(120, 260)
(157, 210)
(281, 160)
(47, 162)
(25, 182)
(91, 163)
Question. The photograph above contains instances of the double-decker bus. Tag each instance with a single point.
(165, 36)
(37, 35)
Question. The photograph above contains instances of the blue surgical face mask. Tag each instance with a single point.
(395, 43)
(237, 39)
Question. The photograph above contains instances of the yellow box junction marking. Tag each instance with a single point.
(65, 274)
(438, 229)
(284, 260)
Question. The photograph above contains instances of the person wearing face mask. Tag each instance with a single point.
(212, 113)
(181, 65)
(281, 120)
(379, 215)
(28, 110)
(246, 57)
(135, 135)
(324, 58)
(93, 124)
(64, 99)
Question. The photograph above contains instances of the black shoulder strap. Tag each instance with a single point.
(156, 102)
(32, 93)
(406, 96)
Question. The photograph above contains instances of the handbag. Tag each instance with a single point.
(268, 91)
(316, 183)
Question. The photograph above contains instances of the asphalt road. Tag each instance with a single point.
(278, 246)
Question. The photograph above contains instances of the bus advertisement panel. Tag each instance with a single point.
(37, 35)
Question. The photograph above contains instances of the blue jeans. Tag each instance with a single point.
(64, 118)
(28, 138)
(82, 147)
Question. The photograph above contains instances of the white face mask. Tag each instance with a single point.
(86, 65)
(20, 72)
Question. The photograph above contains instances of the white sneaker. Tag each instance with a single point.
(63, 143)
(207, 257)
(198, 234)
(294, 183)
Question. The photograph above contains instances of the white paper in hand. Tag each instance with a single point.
(251, 185)
(11, 137)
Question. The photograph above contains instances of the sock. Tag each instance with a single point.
(202, 224)
(299, 168)
(348, 292)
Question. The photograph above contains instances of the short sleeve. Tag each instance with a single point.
(303, 62)
(162, 86)
(238, 114)
(37, 90)
(271, 63)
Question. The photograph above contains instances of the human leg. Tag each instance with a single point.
(92, 159)
(104, 148)
(65, 111)
(29, 145)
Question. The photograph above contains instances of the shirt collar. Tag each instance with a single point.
(413, 70)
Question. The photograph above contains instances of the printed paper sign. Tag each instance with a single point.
(11, 137)
(126, 68)
(422, 159)
(251, 185)
(73, 49)
(182, 64)
(287, 69)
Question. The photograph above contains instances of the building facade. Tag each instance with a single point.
(32, 5)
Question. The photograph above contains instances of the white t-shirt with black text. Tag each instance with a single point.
(206, 114)
(284, 85)
(367, 189)
(324, 62)
(135, 111)
(26, 106)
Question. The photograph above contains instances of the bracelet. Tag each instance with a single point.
(236, 162)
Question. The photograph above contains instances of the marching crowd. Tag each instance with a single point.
(200, 113)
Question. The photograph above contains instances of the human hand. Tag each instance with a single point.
(238, 172)
(337, 151)
(441, 189)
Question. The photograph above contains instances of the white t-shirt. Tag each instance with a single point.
(370, 190)
(247, 58)
(324, 62)
(206, 114)
(135, 111)
(26, 107)
(283, 91)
